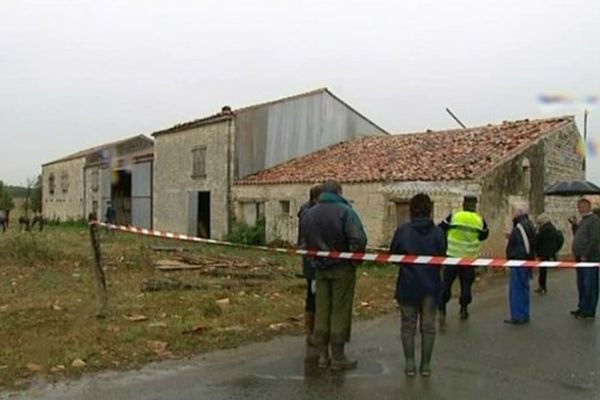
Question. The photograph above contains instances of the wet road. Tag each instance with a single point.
(554, 357)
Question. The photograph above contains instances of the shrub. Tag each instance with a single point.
(27, 249)
(70, 223)
(245, 234)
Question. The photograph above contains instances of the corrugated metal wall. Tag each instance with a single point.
(274, 133)
(141, 195)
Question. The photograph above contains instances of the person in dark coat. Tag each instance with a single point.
(111, 214)
(418, 287)
(520, 246)
(586, 248)
(547, 245)
(3, 221)
(308, 270)
(332, 225)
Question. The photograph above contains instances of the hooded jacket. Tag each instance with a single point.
(521, 242)
(547, 242)
(420, 237)
(332, 225)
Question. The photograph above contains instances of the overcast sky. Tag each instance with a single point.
(74, 74)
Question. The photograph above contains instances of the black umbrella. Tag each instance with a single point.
(572, 188)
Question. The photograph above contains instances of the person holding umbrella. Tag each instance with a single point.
(586, 247)
(586, 243)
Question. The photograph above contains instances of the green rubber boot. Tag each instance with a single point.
(427, 340)
(408, 344)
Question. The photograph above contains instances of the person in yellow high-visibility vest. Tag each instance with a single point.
(465, 230)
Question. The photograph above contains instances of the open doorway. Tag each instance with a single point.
(204, 214)
(121, 196)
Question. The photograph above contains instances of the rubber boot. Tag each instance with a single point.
(323, 353)
(408, 344)
(464, 313)
(442, 309)
(309, 325)
(311, 350)
(339, 360)
(427, 340)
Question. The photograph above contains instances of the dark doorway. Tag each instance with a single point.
(204, 214)
(121, 196)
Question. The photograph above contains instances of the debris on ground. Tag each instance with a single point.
(135, 318)
(33, 367)
(196, 330)
(155, 285)
(280, 326)
(223, 302)
(78, 363)
(167, 249)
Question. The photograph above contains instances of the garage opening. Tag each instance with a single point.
(121, 196)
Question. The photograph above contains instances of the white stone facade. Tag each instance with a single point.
(62, 190)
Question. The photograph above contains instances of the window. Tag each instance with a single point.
(402, 212)
(51, 184)
(252, 211)
(199, 162)
(64, 181)
(284, 206)
(526, 166)
(95, 181)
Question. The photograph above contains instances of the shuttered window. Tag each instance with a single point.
(199, 162)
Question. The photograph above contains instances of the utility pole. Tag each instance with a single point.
(455, 118)
(585, 119)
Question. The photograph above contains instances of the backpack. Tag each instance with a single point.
(560, 240)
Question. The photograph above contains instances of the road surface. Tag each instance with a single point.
(554, 357)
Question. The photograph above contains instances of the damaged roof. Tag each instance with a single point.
(95, 149)
(431, 156)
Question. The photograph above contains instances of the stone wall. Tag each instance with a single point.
(173, 181)
(282, 223)
(66, 202)
(564, 161)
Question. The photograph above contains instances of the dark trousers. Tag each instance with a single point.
(335, 296)
(543, 273)
(542, 277)
(466, 276)
(310, 304)
(518, 293)
(587, 287)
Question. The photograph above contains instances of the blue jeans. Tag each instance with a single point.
(518, 293)
(587, 287)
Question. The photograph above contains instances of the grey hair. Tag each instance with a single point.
(543, 218)
(519, 207)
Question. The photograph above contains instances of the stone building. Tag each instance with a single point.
(498, 163)
(197, 162)
(84, 182)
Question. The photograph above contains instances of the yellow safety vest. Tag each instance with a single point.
(463, 235)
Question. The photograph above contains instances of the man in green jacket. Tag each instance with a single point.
(332, 225)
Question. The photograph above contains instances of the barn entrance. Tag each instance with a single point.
(121, 196)
(199, 214)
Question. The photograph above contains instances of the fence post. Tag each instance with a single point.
(98, 271)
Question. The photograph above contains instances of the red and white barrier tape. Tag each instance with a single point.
(374, 257)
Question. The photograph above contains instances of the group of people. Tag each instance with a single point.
(25, 223)
(327, 222)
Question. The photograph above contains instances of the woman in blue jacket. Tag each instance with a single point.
(418, 287)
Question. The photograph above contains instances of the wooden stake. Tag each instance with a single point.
(99, 272)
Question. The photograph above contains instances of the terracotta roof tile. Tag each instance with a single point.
(431, 156)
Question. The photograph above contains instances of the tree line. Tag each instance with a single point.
(32, 194)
